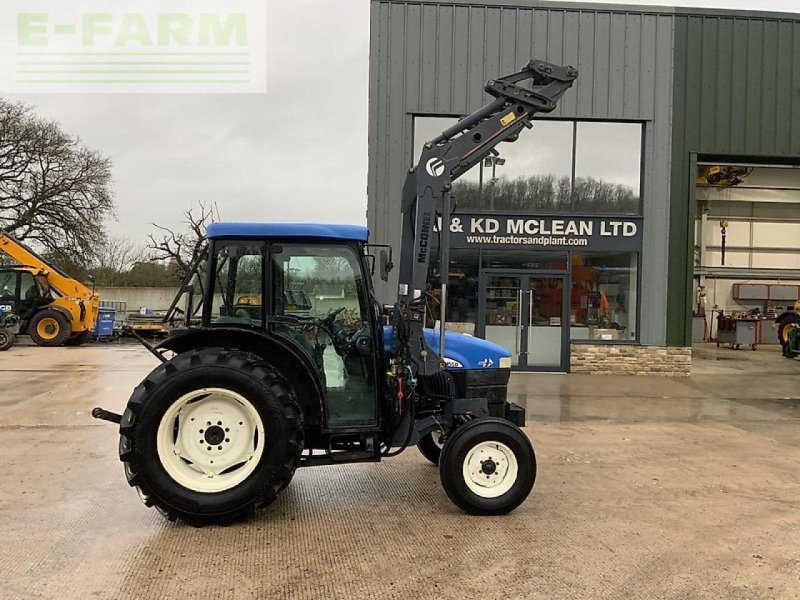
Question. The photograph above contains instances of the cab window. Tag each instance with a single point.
(8, 286)
(237, 285)
(28, 290)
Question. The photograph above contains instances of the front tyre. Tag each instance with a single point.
(49, 328)
(430, 446)
(7, 339)
(211, 436)
(488, 467)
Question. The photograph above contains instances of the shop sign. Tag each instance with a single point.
(513, 231)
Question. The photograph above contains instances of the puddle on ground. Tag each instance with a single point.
(669, 409)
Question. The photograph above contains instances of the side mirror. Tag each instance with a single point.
(92, 279)
(386, 264)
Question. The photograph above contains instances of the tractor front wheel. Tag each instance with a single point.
(488, 466)
(49, 328)
(210, 436)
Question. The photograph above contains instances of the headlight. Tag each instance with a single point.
(505, 362)
(450, 362)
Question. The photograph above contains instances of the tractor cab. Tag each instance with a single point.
(308, 289)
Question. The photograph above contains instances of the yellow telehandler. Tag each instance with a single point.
(52, 307)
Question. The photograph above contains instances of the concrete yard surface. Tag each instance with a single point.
(648, 488)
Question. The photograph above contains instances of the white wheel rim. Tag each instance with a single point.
(490, 469)
(193, 422)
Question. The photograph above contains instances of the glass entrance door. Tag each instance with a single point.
(525, 313)
(544, 326)
(503, 316)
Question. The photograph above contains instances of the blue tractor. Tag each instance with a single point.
(286, 358)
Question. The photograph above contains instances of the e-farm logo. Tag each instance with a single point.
(202, 46)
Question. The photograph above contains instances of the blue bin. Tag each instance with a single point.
(105, 322)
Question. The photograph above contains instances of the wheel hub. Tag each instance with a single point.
(214, 435)
(490, 469)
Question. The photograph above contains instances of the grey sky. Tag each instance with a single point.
(298, 152)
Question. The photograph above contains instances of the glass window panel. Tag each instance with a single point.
(524, 260)
(462, 291)
(237, 284)
(8, 285)
(608, 167)
(603, 298)
(28, 291)
(532, 174)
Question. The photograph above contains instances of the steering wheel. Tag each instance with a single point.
(331, 316)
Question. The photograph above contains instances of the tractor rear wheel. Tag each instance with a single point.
(430, 446)
(79, 338)
(488, 466)
(7, 339)
(49, 328)
(211, 436)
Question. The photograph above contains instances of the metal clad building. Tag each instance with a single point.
(736, 93)
(696, 81)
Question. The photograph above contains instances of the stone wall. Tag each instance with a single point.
(613, 359)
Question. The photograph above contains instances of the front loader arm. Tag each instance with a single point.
(427, 190)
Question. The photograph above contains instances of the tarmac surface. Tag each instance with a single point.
(648, 488)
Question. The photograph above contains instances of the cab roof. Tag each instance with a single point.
(18, 268)
(357, 233)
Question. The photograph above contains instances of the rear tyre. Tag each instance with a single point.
(785, 326)
(488, 467)
(430, 446)
(79, 338)
(49, 328)
(211, 436)
(7, 339)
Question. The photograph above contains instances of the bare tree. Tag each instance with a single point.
(114, 259)
(182, 248)
(54, 191)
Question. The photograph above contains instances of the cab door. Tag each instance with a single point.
(8, 292)
(319, 300)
